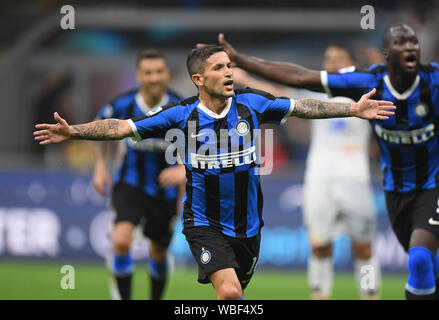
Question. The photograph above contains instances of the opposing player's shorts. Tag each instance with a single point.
(156, 217)
(215, 251)
(344, 206)
(418, 209)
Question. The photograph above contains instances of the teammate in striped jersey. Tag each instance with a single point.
(408, 141)
(337, 164)
(222, 214)
(144, 188)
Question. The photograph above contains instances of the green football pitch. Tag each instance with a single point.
(36, 279)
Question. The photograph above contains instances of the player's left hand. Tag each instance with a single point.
(172, 176)
(369, 109)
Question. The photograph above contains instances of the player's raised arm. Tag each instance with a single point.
(365, 108)
(108, 129)
(283, 72)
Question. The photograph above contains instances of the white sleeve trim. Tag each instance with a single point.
(137, 136)
(324, 82)
(292, 106)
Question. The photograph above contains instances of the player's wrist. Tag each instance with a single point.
(353, 110)
(72, 133)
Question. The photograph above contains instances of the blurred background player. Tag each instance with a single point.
(408, 141)
(338, 191)
(338, 196)
(145, 189)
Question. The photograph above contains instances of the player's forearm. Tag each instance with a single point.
(283, 72)
(318, 109)
(108, 129)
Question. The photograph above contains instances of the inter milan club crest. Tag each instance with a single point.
(205, 256)
(242, 127)
(421, 110)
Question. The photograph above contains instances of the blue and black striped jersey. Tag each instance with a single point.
(221, 157)
(409, 140)
(143, 161)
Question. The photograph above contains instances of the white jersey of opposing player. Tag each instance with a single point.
(339, 146)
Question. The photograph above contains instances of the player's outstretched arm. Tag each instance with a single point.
(108, 129)
(365, 108)
(283, 72)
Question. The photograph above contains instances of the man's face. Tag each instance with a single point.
(217, 75)
(336, 59)
(153, 76)
(403, 53)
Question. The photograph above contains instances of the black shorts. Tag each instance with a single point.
(215, 251)
(413, 210)
(157, 217)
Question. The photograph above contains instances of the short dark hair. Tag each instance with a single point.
(346, 48)
(196, 60)
(149, 54)
(387, 35)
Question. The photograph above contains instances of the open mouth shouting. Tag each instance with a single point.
(228, 84)
(410, 61)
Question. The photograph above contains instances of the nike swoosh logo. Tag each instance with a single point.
(198, 135)
(433, 222)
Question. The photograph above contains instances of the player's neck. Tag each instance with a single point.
(401, 82)
(214, 103)
(151, 101)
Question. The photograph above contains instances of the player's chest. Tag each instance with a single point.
(233, 129)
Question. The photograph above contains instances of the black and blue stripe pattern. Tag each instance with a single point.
(222, 182)
(409, 140)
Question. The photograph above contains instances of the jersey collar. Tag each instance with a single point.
(145, 108)
(405, 94)
(213, 114)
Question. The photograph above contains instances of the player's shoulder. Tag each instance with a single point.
(432, 67)
(430, 73)
(124, 99)
(174, 96)
(249, 92)
(377, 69)
(181, 105)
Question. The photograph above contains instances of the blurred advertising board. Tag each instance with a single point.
(59, 215)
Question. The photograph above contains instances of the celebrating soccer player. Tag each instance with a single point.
(408, 141)
(222, 215)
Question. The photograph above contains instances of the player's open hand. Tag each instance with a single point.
(52, 133)
(231, 52)
(369, 109)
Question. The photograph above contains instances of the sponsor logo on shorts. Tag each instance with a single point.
(205, 256)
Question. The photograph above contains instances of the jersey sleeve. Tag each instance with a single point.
(270, 109)
(435, 74)
(106, 112)
(157, 122)
(347, 83)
